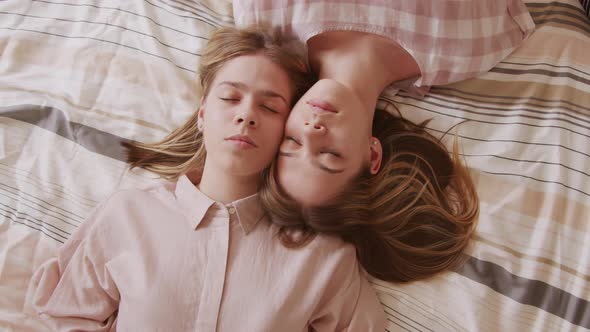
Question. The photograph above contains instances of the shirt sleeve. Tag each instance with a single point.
(74, 291)
(350, 303)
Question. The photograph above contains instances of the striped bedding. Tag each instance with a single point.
(79, 77)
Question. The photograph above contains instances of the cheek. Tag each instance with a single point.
(294, 123)
(217, 110)
(297, 113)
(274, 131)
(217, 124)
(282, 173)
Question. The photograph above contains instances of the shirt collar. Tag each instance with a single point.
(195, 205)
(249, 212)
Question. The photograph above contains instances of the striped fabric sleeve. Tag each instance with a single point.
(450, 40)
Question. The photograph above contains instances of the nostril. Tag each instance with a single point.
(317, 127)
(307, 123)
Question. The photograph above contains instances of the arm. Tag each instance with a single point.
(74, 291)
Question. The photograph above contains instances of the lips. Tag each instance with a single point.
(242, 139)
(321, 106)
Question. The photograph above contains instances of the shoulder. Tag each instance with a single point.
(127, 205)
(334, 253)
(323, 241)
(131, 197)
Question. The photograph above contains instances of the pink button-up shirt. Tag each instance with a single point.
(172, 259)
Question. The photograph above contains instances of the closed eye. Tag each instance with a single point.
(269, 109)
(229, 99)
(335, 154)
(291, 138)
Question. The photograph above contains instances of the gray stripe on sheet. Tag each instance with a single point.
(38, 227)
(583, 27)
(439, 89)
(26, 219)
(54, 120)
(543, 72)
(580, 21)
(554, 4)
(528, 291)
(520, 112)
(123, 11)
(395, 101)
(25, 199)
(517, 123)
(553, 8)
(540, 180)
(578, 17)
(103, 7)
(406, 319)
(528, 161)
(211, 22)
(191, 7)
(104, 24)
(545, 64)
(560, 146)
(104, 41)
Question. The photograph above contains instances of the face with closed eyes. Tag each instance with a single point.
(327, 143)
(243, 115)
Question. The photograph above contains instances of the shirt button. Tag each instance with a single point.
(231, 210)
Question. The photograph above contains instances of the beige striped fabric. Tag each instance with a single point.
(524, 130)
(79, 77)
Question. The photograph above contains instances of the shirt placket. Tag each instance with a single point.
(215, 275)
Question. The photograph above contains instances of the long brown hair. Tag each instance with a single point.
(410, 221)
(183, 150)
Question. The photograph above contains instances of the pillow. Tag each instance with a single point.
(450, 40)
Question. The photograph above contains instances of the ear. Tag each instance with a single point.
(376, 153)
(201, 116)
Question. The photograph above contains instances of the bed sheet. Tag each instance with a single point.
(79, 77)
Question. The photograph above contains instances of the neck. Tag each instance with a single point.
(226, 188)
(364, 85)
(366, 63)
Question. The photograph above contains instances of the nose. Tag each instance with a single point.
(247, 116)
(315, 128)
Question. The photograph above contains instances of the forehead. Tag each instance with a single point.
(256, 71)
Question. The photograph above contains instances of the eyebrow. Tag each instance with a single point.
(315, 163)
(266, 93)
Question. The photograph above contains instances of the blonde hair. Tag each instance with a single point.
(183, 150)
(410, 221)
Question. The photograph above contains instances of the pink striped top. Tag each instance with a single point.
(171, 259)
(451, 40)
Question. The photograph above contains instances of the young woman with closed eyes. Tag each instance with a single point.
(200, 252)
(376, 180)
